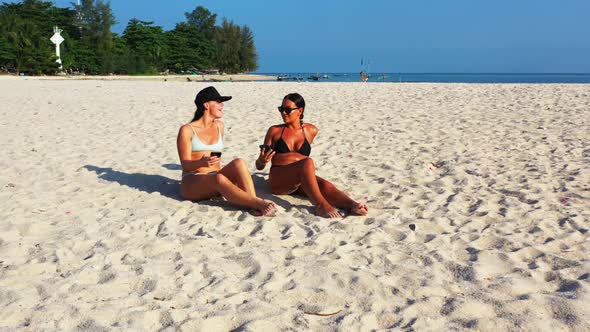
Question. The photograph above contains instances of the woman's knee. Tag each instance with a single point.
(325, 185)
(239, 164)
(308, 164)
(220, 179)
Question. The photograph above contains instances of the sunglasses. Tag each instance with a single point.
(287, 110)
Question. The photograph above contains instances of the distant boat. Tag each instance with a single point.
(325, 76)
(287, 77)
(365, 70)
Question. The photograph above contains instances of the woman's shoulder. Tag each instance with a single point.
(276, 127)
(185, 131)
(310, 127)
(186, 127)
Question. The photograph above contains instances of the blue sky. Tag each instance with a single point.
(458, 36)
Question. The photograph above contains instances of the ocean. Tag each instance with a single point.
(437, 77)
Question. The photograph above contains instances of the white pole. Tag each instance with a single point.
(57, 39)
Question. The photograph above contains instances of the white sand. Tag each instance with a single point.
(93, 235)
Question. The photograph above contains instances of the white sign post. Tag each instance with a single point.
(57, 39)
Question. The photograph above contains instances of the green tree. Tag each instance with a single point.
(227, 38)
(6, 54)
(236, 51)
(121, 55)
(146, 46)
(247, 52)
(94, 21)
(19, 34)
(26, 28)
(7, 45)
(188, 49)
(202, 20)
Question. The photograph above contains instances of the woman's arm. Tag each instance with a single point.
(311, 130)
(183, 144)
(265, 154)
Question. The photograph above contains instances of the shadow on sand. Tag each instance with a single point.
(170, 188)
(173, 167)
(143, 182)
(263, 191)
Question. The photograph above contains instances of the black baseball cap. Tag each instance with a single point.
(207, 94)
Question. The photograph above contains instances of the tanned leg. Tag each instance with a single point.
(301, 175)
(339, 199)
(199, 187)
(237, 172)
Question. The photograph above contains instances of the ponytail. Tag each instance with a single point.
(298, 100)
(199, 112)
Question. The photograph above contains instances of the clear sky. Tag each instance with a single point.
(458, 36)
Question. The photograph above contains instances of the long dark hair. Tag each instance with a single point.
(298, 100)
(199, 112)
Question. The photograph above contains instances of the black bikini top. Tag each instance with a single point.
(282, 147)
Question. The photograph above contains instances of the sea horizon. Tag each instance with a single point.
(433, 77)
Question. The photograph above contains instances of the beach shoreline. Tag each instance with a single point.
(173, 78)
(478, 219)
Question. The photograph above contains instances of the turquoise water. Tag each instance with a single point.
(440, 77)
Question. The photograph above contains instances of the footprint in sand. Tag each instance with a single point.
(106, 276)
(561, 310)
(249, 267)
(256, 229)
(145, 286)
(285, 233)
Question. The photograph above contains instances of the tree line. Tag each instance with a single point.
(91, 47)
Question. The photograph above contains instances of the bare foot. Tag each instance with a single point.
(359, 209)
(270, 209)
(266, 209)
(327, 211)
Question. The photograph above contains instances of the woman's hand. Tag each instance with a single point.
(207, 161)
(266, 154)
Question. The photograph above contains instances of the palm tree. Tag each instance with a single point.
(20, 34)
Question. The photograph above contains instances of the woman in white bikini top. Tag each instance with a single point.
(200, 144)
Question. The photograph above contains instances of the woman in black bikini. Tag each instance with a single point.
(288, 146)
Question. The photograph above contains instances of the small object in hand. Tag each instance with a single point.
(412, 227)
(264, 147)
(215, 154)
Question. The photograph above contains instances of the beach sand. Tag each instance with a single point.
(479, 198)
